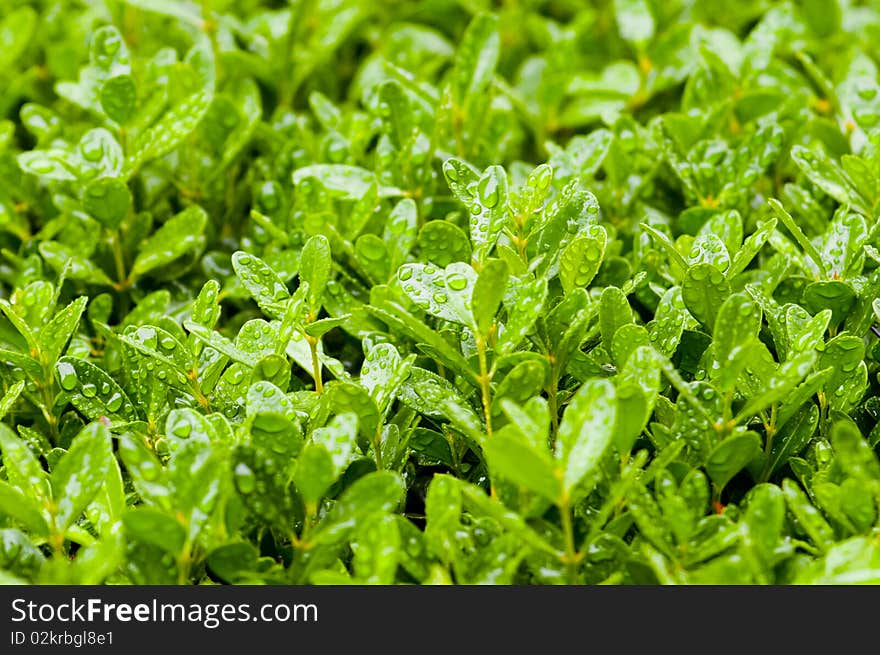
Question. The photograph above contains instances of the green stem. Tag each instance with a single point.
(316, 364)
(552, 393)
(571, 554)
(485, 383)
(377, 448)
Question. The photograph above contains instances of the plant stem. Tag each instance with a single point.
(377, 448)
(552, 393)
(485, 383)
(316, 364)
(571, 554)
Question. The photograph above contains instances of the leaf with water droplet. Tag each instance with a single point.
(445, 293)
(108, 400)
(476, 59)
(61, 257)
(23, 469)
(777, 386)
(382, 373)
(435, 397)
(118, 98)
(586, 431)
(222, 344)
(826, 174)
(751, 247)
(169, 131)
(524, 381)
(376, 493)
(442, 243)
(169, 365)
(844, 354)
(400, 232)
(372, 255)
(343, 181)
(79, 474)
(806, 516)
(566, 217)
(488, 291)
(514, 457)
(488, 211)
(614, 312)
(54, 336)
(314, 269)
(263, 284)
(23, 509)
(581, 259)
(179, 235)
(792, 437)
(523, 304)
(107, 200)
(837, 296)
(709, 249)
(703, 290)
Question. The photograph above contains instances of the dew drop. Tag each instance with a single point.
(67, 376)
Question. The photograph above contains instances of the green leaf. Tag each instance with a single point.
(179, 235)
(476, 58)
(586, 431)
(827, 175)
(262, 283)
(169, 131)
(107, 200)
(634, 20)
(314, 472)
(23, 469)
(854, 454)
(314, 269)
(807, 516)
(444, 293)
(488, 291)
(442, 243)
(514, 457)
(704, 289)
(793, 437)
(54, 336)
(156, 528)
(345, 182)
(79, 474)
(581, 259)
(22, 509)
(92, 391)
(732, 455)
(379, 492)
(614, 312)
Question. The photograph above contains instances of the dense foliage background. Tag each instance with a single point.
(423, 292)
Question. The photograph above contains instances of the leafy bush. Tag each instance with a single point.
(334, 292)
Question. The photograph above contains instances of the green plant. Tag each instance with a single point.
(554, 292)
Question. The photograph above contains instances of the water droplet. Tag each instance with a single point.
(488, 191)
(67, 376)
(114, 402)
(245, 480)
(182, 430)
(440, 297)
(89, 390)
(456, 282)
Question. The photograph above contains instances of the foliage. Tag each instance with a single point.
(439, 292)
